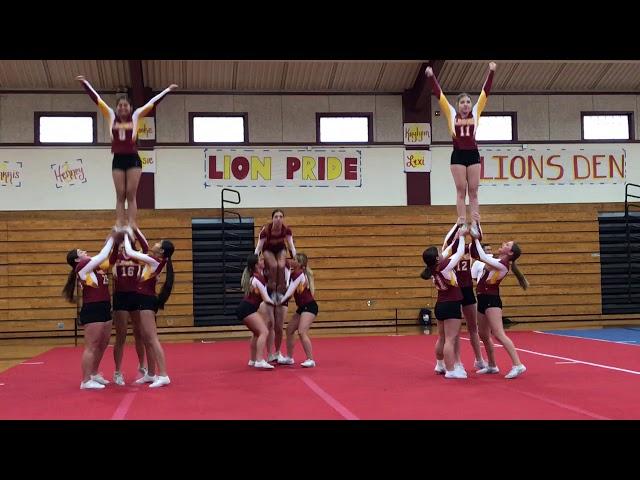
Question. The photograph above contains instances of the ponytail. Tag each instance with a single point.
(245, 282)
(429, 257)
(312, 282)
(515, 254)
(165, 292)
(70, 287)
(522, 280)
(303, 261)
(426, 273)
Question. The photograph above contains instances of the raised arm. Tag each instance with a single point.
(104, 108)
(113, 258)
(473, 251)
(146, 108)
(445, 106)
(454, 245)
(486, 88)
(97, 260)
(141, 240)
(152, 262)
(456, 257)
(476, 270)
(489, 260)
(446, 253)
(448, 239)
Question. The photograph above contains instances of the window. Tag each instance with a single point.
(607, 125)
(218, 127)
(65, 127)
(344, 127)
(495, 127)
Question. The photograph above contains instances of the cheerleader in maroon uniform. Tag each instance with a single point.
(448, 310)
(149, 303)
(126, 167)
(255, 292)
(126, 272)
(302, 287)
(490, 303)
(275, 316)
(484, 331)
(95, 315)
(463, 123)
(463, 274)
(273, 242)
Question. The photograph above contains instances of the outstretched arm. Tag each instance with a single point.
(456, 257)
(486, 88)
(152, 262)
(97, 260)
(489, 260)
(113, 258)
(104, 108)
(144, 245)
(146, 108)
(445, 106)
(476, 270)
(455, 245)
(448, 239)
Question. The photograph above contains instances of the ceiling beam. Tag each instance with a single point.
(138, 92)
(47, 73)
(555, 76)
(419, 93)
(600, 76)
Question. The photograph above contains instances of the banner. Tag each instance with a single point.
(147, 128)
(148, 161)
(68, 173)
(56, 178)
(11, 174)
(417, 160)
(417, 134)
(548, 166)
(285, 167)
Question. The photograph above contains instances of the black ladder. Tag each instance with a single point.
(220, 249)
(620, 256)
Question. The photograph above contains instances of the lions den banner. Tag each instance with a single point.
(285, 167)
(530, 166)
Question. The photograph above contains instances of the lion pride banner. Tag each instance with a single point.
(283, 167)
